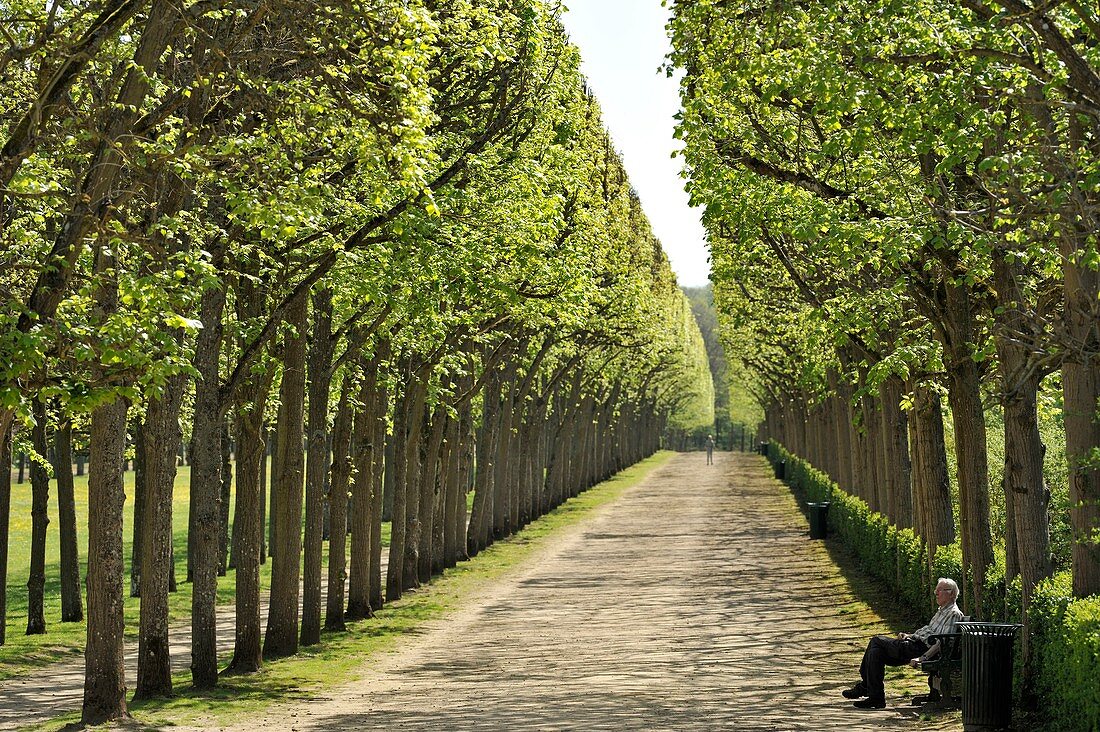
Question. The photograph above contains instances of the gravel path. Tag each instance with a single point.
(695, 602)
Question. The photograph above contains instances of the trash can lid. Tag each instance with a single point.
(972, 627)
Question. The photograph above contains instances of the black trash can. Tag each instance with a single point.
(762, 448)
(987, 650)
(819, 524)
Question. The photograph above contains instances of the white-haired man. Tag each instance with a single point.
(908, 648)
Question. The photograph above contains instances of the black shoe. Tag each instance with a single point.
(930, 698)
(870, 703)
(857, 691)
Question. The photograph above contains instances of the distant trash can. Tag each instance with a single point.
(780, 468)
(987, 650)
(819, 524)
(762, 448)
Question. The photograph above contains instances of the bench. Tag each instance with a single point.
(942, 667)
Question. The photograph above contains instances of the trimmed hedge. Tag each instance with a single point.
(1065, 631)
(1067, 655)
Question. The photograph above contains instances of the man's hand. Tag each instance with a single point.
(902, 636)
(914, 662)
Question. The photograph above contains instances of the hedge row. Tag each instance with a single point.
(1065, 631)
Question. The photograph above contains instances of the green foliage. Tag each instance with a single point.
(1067, 642)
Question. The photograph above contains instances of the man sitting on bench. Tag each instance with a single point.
(907, 647)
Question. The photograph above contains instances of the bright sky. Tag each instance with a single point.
(623, 44)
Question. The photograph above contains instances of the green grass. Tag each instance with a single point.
(21, 654)
(338, 656)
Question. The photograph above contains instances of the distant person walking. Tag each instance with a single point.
(710, 449)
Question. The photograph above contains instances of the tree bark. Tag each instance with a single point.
(467, 444)
(104, 674)
(281, 638)
(1081, 411)
(320, 382)
(395, 565)
(414, 449)
(338, 507)
(1081, 392)
(40, 497)
(162, 434)
(380, 468)
(225, 549)
(247, 656)
(931, 487)
(72, 601)
(140, 495)
(480, 530)
(1024, 450)
(896, 440)
(204, 524)
(362, 446)
(430, 493)
(251, 401)
(5, 525)
(971, 450)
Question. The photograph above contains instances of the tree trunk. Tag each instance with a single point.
(140, 495)
(206, 495)
(161, 435)
(40, 497)
(1023, 445)
(264, 483)
(104, 674)
(1012, 551)
(247, 656)
(381, 466)
(896, 440)
(281, 638)
(1081, 410)
(931, 487)
(429, 491)
(502, 461)
(72, 601)
(480, 531)
(449, 492)
(395, 565)
(841, 417)
(225, 549)
(338, 507)
(971, 450)
(465, 481)
(5, 522)
(362, 445)
(320, 382)
(1081, 392)
(272, 488)
(414, 449)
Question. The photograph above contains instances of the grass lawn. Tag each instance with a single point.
(338, 656)
(22, 653)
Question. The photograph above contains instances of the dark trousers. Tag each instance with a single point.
(882, 652)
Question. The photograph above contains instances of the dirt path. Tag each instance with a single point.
(694, 602)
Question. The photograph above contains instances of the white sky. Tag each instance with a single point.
(623, 44)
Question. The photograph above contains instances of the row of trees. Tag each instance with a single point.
(902, 204)
(395, 230)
